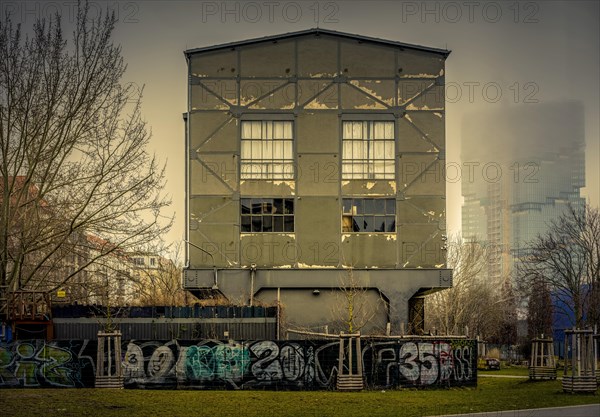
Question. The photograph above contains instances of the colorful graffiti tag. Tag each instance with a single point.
(266, 364)
(36, 363)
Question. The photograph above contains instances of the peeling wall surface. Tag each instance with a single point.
(314, 83)
(260, 364)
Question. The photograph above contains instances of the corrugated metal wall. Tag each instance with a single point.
(165, 328)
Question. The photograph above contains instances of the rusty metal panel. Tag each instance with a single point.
(383, 91)
(369, 250)
(417, 64)
(431, 123)
(220, 240)
(317, 57)
(268, 94)
(412, 139)
(221, 64)
(417, 209)
(368, 188)
(422, 246)
(213, 131)
(367, 60)
(273, 59)
(213, 95)
(318, 227)
(264, 188)
(318, 132)
(268, 249)
(214, 174)
(318, 174)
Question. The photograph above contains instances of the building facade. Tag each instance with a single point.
(313, 178)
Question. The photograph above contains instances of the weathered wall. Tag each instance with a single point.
(212, 364)
(317, 82)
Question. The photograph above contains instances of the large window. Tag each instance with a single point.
(368, 150)
(267, 215)
(369, 215)
(267, 150)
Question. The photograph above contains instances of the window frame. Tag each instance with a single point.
(368, 167)
(353, 213)
(267, 167)
(268, 212)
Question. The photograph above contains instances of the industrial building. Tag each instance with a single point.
(314, 179)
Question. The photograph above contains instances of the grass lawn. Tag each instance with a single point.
(492, 394)
(511, 370)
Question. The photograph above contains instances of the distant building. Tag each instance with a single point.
(521, 165)
(313, 175)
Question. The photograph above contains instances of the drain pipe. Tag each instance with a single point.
(216, 282)
(252, 276)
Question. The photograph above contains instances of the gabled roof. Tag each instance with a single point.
(317, 31)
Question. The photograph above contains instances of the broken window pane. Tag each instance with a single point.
(267, 215)
(368, 215)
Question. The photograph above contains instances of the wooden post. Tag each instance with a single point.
(110, 378)
(580, 376)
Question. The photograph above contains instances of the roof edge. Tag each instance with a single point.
(317, 31)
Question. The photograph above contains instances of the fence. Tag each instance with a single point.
(248, 364)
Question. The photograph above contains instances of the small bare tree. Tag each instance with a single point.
(567, 259)
(73, 154)
(353, 309)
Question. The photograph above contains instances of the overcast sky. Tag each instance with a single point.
(530, 52)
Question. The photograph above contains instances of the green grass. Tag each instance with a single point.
(509, 370)
(492, 394)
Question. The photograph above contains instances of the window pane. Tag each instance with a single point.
(389, 149)
(246, 205)
(288, 225)
(389, 130)
(287, 133)
(369, 206)
(267, 223)
(369, 223)
(358, 206)
(257, 223)
(379, 224)
(256, 130)
(390, 206)
(390, 224)
(246, 224)
(347, 206)
(359, 224)
(347, 224)
(378, 131)
(287, 150)
(278, 223)
(289, 206)
(379, 206)
(278, 205)
(379, 149)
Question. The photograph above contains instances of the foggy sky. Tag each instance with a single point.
(529, 52)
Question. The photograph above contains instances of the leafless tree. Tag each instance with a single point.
(159, 282)
(354, 307)
(73, 154)
(567, 259)
(539, 310)
(475, 302)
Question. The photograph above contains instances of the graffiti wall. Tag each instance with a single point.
(262, 364)
(36, 363)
